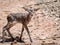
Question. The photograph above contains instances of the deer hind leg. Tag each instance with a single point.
(28, 31)
(7, 27)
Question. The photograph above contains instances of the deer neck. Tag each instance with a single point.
(29, 16)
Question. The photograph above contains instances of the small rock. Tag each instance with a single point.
(14, 43)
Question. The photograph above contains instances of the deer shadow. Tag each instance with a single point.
(12, 40)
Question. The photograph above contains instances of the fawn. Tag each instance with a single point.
(22, 18)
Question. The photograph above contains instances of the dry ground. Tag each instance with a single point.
(44, 27)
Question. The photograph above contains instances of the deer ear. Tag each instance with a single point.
(36, 9)
(24, 8)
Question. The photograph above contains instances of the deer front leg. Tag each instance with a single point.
(21, 34)
(28, 32)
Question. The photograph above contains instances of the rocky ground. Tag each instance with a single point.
(44, 26)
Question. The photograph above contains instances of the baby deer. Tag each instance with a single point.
(23, 18)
